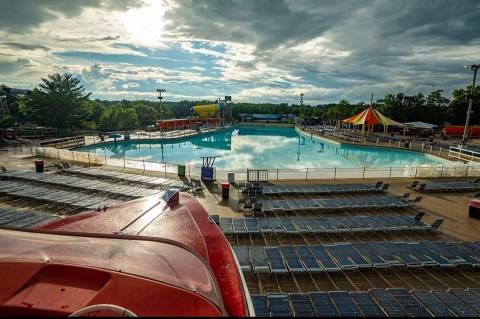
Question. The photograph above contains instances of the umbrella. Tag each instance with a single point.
(420, 125)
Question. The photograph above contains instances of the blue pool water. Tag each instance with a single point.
(246, 147)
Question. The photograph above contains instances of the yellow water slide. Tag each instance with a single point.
(207, 110)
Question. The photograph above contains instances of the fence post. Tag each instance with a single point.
(73, 155)
(441, 171)
(466, 171)
(165, 169)
(143, 160)
(123, 160)
(390, 174)
(58, 154)
(423, 146)
(105, 158)
(389, 143)
(431, 149)
(334, 173)
(88, 154)
(440, 151)
(363, 175)
(306, 175)
(188, 170)
(416, 168)
(378, 138)
(399, 143)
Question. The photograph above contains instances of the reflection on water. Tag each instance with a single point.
(248, 147)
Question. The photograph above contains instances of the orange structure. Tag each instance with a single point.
(457, 130)
(180, 124)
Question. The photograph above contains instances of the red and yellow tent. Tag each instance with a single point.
(371, 117)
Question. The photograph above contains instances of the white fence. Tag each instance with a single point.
(453, 169)
(463, 154)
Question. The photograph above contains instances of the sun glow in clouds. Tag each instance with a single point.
(144, 26)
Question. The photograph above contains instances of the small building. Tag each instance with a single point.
(264, 118)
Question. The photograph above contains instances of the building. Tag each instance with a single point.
(264, 118)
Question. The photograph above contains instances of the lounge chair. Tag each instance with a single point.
(417, 199)
(413, 185)
(437, 223)
(419, 215)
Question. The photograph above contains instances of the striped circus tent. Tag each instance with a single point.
(370, 117)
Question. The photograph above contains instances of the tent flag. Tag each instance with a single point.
(371, 116)
(387, 121)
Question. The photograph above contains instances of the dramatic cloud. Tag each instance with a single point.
(258, 50)
(18, 16)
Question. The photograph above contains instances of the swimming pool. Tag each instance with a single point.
(261, 147)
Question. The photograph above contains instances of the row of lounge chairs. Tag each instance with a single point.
(82, 183)
(449, 187)
(343, 135)
(62, 197)
(349, 256)
(376, 223)
(377, 302)
(322, 189)
(156, 182)
(13, 218)
(311, 204)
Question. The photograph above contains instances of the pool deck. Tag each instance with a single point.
(338, 141)
(453, 207)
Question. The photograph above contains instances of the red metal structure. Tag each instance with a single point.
(180, 124)
(457, 130)
(155, 256)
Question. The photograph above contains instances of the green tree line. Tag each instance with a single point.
(61, 101)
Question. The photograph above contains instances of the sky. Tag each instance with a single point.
(253, 50)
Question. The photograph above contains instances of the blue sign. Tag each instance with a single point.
(208, 174)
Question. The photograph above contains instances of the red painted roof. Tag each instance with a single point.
(176, 245)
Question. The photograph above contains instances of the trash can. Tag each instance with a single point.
(208, 174)
(231, 178)
(225, 191)
(181, 170)
(39, 164)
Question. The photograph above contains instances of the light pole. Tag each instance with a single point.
(473, 67)
(160, 97)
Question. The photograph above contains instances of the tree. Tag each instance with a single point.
(341, 110)
(90, 113)
(436, 104)
(146, 114)
(7, 121)
(457, 109)
(57, 102)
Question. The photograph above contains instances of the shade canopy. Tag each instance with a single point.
(420, 125)
(370, 116)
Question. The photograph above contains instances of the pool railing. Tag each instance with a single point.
(447, 169)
